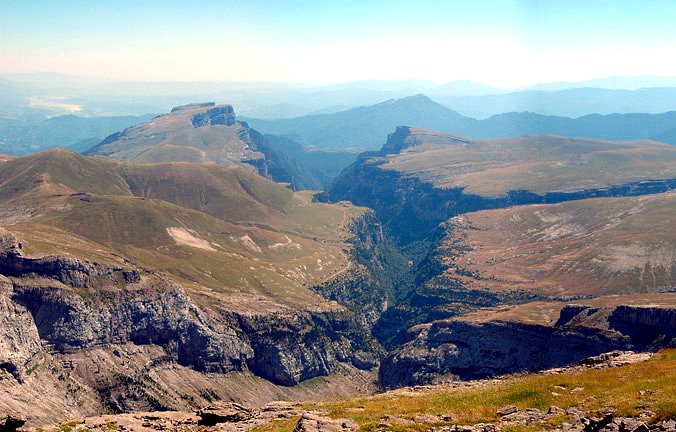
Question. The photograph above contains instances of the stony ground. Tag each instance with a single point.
(286, 416)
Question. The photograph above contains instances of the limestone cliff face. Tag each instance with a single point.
(466, 349)
(19, 338)
(223, 115)
(63, 305)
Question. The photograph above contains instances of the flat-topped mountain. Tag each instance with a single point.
(539, 164)
(198, 132)
(210, 133)
(421, 177)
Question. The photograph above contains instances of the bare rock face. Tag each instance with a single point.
(223, 412)
(223, 115)
(57, 306)
(19, 338)
(469, 349)
(285, 348)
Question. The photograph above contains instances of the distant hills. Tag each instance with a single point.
(98, 97)
(366, 127)
(363, 127)
(23, 136)
(568, 102)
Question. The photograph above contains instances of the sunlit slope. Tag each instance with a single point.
(587, 247)
(538, 164)
(210, 228)
(190, 133)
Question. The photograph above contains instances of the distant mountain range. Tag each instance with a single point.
(573, 102)
(286, 100)
(32, 135)
(367, 127)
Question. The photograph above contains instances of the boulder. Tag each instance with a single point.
(507, 410)
(223, 412)
(311, 422)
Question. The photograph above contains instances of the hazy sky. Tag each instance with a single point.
(505, 43)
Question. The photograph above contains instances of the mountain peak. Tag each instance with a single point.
(420, 98)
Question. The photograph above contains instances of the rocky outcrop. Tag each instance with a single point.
(70, 304)
(312, 422)
(19, 338)
(223, 115)
(289, 347)
(224, 412)
(462, 348)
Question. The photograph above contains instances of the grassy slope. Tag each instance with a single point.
(228, 230)
(590, 390)
(171, 137)
(536, 163)
(589, 247)
(58, 171)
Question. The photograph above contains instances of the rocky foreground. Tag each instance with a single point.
(229, 416)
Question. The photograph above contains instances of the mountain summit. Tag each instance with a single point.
(197, 132)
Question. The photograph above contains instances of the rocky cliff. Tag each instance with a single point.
(64, 307)
(414, 191)
(430, 192)
(469, 348)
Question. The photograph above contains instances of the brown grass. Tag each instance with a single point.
(628, 389)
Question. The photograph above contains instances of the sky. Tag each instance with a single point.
(502, 43)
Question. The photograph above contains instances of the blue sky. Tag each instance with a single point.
(505, 43)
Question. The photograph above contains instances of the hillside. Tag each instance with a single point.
(204, 267)
(622, 391)
(578, 248)
(364, 127)
(159, 208)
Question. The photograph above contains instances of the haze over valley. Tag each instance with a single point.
(337, 216)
